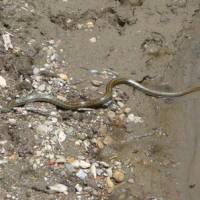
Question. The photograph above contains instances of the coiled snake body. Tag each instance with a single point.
(95, 103)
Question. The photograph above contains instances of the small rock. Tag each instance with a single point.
(122, 117)
(133, 118)
(83, 164)
(93, 40)
(111, 115)
(61, 135)
(60, 159)
(12, 121)
(118, 175)
(90, 24)
(86, 144)
(59, 188)
(110, 185)
(103, 130)
(70, 168)
(42, 129)
(54, 120)
(81, 174)
(63, 77)
(69, 131)
(96, 83)
(93, 171)
(121, 105)
(104, 164)
(36, 70)
(131, 180)
(109, 172)
(2, 82)
(78, 142)
(78, 188)
(75, 163)
(100, 172)
(117, 163)
(42, 88)
(108, 140)
(99, 143)
(79, 26)
(127, 110)
(3, 162)
(61, 98)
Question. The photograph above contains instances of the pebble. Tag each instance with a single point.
(104, 164)
(111, 115)
(78, 142)
(42, 88)
(103, 130)
(99, 143)
(109, 172)
(69, 131)
(42, 129)
(81, 174)
(110, 185)
(3, 162)
(63, 77)
(122, 117)
(93, 40)
(61, 98)
(96, 83)
(108, 140)
(93, 171)
(78, 188)
(36, 70)
(133, 118)
(83, 164)
(12, 121)
(75, 163)
(60, 159)
(99, 172)
(61, 135)
(59, 188)
(118, 175)
(54, 120)
(2, 82)
(86, 144)
(127, 110)
(120, 104)
(90, 24)
(70, 168)
(131, 180)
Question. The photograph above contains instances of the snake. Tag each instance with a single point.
(97, 102)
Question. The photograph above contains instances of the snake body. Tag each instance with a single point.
(95, 103)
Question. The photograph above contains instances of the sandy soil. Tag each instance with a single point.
(139, 147)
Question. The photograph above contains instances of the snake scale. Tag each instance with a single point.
(95, 103)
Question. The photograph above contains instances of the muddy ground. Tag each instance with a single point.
(138, 147)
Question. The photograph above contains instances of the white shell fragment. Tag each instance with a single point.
(7, 41)
(2, 82)
(83, 164)
(93, 40)
(59, 188)
(133, 118)
(93, 171)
